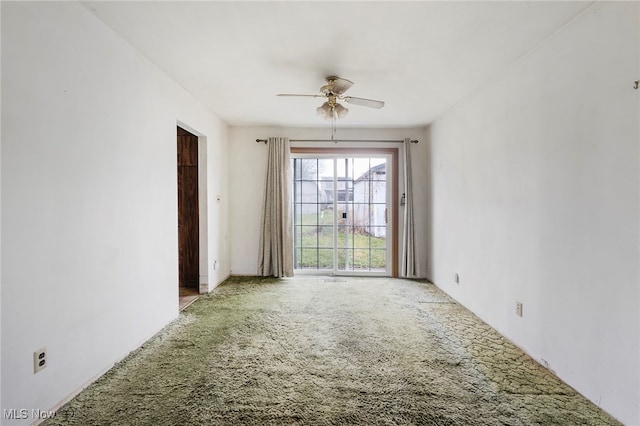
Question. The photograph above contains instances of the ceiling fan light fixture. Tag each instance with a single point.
(341, 111)
(325, 110)
(329, 111)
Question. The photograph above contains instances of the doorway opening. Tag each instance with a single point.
(188, 217)
(344, 217)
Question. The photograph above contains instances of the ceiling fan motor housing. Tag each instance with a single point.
(327, 90)
(336, 86)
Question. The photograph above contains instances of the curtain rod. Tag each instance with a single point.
(340, 140)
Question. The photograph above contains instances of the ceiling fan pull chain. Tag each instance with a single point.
(333, 126)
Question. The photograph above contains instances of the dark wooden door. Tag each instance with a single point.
(188, 222)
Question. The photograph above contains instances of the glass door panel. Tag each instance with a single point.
(364, 222)
(313, 213)
(340, 220)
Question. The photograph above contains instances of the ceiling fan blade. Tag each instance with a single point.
(303, 96)
(371, 103)
(339, 85)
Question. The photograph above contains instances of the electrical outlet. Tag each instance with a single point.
(519, 309)
(39, 360)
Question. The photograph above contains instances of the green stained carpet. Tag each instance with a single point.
(328, 351)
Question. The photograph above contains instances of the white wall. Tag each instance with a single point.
(248, 166)
(89, 204)
(535, 191)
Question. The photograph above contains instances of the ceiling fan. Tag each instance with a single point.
(334, 92)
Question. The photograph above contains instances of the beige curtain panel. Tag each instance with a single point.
(409, 261)
(276, 240)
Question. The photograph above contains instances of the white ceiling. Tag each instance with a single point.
(419, 57)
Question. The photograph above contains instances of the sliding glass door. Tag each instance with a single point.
(341, 220)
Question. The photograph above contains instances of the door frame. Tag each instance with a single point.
(394, 153)
(203, 219)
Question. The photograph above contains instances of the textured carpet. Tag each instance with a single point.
(328, 351)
